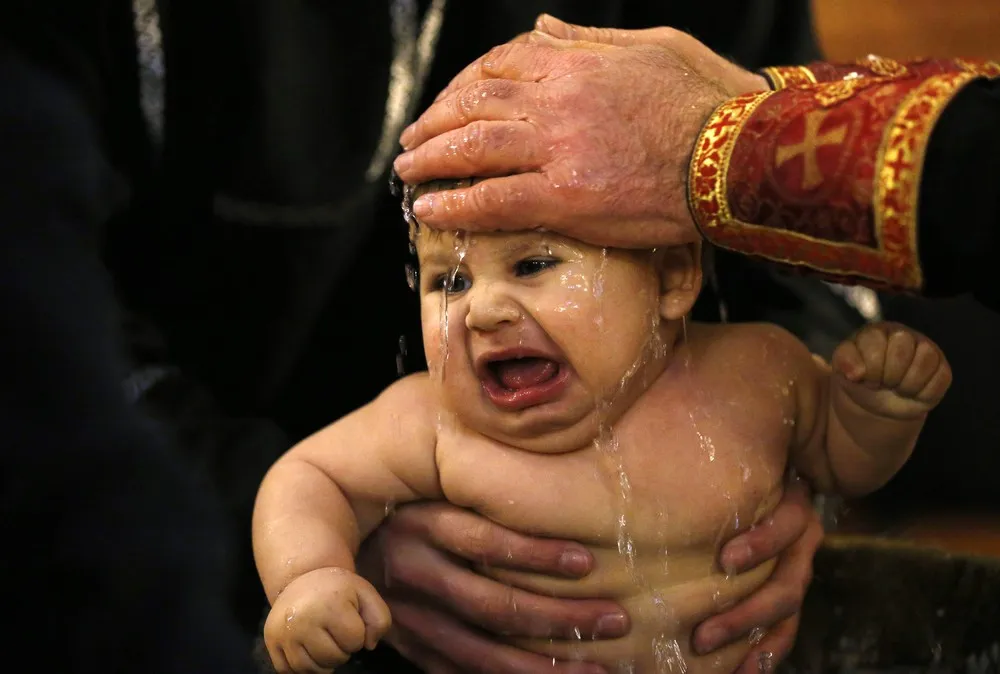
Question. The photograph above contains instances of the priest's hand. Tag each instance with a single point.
(583, 131)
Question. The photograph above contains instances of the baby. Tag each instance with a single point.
(568, 398)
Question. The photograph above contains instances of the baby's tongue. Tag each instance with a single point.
(520, 373)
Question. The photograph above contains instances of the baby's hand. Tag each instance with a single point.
(322, 617)
(892, 371)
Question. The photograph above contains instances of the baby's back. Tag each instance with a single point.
(700, 456)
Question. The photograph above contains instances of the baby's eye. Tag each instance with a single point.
(451, 283)
(534, 265)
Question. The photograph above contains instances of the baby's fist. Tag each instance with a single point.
(892, 370)
(321, 618)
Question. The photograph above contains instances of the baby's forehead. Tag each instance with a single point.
(436, 242)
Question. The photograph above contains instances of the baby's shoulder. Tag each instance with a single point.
(763, 348)
(413, 397)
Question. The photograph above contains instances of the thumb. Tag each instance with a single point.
(550, 25)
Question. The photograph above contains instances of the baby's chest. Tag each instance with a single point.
(691, 484)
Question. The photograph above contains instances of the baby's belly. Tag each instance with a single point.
(665, 597)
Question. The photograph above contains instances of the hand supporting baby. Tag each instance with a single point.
(321, 618)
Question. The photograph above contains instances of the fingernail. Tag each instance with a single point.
(574, 563)
(709, 640)
(403, 162)
(407, 136)
(423, 206)
(611, 625)
(736, 557)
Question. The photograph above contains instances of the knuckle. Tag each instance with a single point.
(481, 538)
(462, 105)
(487, 89)
(352, 637)
(483, 200)
(497, 56)
(473, 145)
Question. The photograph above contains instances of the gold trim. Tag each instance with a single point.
(989, 69)
(725, 124)
(899, 166)
(783, 77)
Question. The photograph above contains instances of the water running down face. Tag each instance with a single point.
(540, 329)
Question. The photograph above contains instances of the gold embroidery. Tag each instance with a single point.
(809, 147)
(882, 67)
(707, 173)
(838, 91)
(898, 168)
(987, 68)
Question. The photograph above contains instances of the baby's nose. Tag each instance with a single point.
(491, 309)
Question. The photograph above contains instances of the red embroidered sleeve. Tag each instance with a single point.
(824, 173)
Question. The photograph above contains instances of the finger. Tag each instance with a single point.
(482, 541)
(769, 605)
(782, 529)
(550, 25)
(872, 344)
(374, 613)
(821, 363)
(472, 652)
(510, 203)
(925, 363)
(481, 148)
(848, 361)
(509, 611)
(780, 597)
(772, 649)
(477, 101)
(937, 386)
(899, 352)
(302, 663)
(324, 650)
(529, 59)
(350, 634)
(474, 71)
(278, 659)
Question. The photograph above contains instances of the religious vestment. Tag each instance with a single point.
(877, 172)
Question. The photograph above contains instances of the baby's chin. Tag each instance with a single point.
(539, 434)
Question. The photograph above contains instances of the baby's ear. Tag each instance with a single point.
(680, 280)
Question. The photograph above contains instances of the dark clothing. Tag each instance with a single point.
(959, 217)
(114, 555)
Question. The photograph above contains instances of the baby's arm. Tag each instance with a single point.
(859, 420)
(316, 505)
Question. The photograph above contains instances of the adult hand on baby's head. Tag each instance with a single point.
(588, 131)
(447, 618)
(792, 533)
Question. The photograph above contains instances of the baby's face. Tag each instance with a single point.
(533, 331)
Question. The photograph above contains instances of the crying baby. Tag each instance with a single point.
(566, 397)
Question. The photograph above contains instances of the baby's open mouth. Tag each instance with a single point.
(515, 374)
(515, 384)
